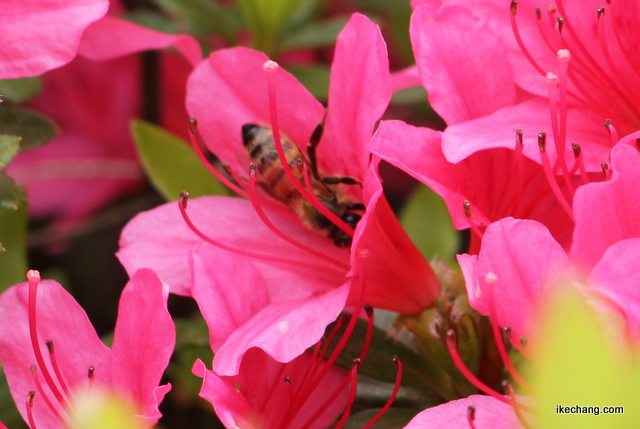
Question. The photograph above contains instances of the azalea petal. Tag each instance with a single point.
(490, 413)
(442, 41)
(233, 222)
(499, 128)
(242, 398)
(230, 89)
(518, 263)
(143, 341)
(284, 330)
(113, 37)
(485, 179)
(404, 79)
(43, 35)
(606, 212)
(616, 277)
(359, 92)
(58, 315)
(228, 289)
(398, 278)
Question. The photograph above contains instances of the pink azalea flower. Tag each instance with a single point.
(519, 260)
(43, 35)
(242, 316)
(593, 71)
(230, 90)
(50, 352)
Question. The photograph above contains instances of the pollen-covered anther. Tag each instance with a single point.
(559, 23)
(471, 416)
(542, 141)
(601, 10)
(514, 7)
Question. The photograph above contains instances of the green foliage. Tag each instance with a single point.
(9, 146)
(204, 16)
(314, 34)
(394, 418)
(13, 231)
(579, 363)
(20, 90)
(426, 219)
(9, 414)
(34, 128)
(267, 19)
(314, 77)
(171, 164)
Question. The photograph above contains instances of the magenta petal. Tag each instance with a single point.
(240, 400)
(404, 79)
(233, 222)
(490, 414)
(61, 319)
(499, 129)
(616, 277)
(143, 342)
(607, 212)
(112, 37)
(284, 330)
(398, 277)
(463, 83)
(359, 93)
(513, 271)
(42, 35)
(229, 90)
(228, 289)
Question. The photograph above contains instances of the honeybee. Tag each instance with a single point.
(259, 143)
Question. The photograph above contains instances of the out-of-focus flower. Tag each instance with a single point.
(51, 354)
(43, 35)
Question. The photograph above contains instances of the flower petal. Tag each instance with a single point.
(42, 35)
(143, 341)
(606, 212)
(453, 36)
(359, 92)
(284, 330)
(113, 37)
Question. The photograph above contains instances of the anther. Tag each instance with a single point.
(30, 397)
(287, 380)
(523, 342)
(519, 142)
(612, 131)
(392, 397)
(471, 416)
(184, 197)
(90, 372)
(514, 7)
(551, 8)
(605, 169)
(227, 169)
(600, 12)
(538, 13)
(467, 209)
(466, 205)
(576, 150)
(542, 141)
(560, 23)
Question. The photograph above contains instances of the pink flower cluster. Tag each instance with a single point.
(539, 159)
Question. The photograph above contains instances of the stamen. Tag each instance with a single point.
(577, 152)
(56, 369)
(352, 394)
(505, 358)
(605, 170)
(466, 205)
(253, 196)
(517, 408)
(612, 132)
(90, 374)
(471, 416)
(271, 67)
(367, 341)
(30, 396)
(42, 393)
(516, 33)
(396, 389)
(457, 360)
(184, 196)
(196, 142)
(546, 166)
(33, 278)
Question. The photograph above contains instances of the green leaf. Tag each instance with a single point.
(426, 219)
(13, 233)
(314, 34)
(34, 128)
(9, 146)
(20, 90)
(204, 16)
(267, 19)
(315, 78)
(394, 418)
(171, 164)
(578, 362)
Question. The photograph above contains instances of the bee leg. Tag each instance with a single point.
(344, 180)
(316, 136)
